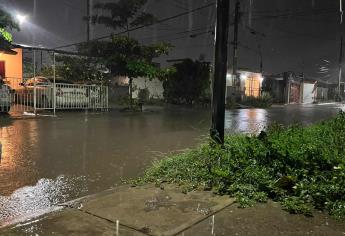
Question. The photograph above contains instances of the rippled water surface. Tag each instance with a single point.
(47, 161)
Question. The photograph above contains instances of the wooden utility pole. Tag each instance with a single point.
(220, 71)
(341, 50)
(261, 60)
(235, 44)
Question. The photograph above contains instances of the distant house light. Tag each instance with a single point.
(243, 77)
(261, 78)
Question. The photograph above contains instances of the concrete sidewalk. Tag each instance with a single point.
(145, 210)
(149, 210)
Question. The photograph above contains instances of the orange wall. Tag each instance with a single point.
(13, 64)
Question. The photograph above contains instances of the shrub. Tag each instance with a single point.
(263, 101)
(302, 167)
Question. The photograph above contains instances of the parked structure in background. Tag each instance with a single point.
(249, 85)
(287, 88)
(119, 87)
(154, 86)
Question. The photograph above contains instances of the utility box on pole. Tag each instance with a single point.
(220, 71)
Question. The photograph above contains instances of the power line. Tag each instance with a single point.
(177, 33)
(298, 13)
(146, 25)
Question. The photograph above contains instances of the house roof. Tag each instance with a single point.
(6, 47)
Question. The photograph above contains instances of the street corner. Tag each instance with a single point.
(69, 222)
(155, 211)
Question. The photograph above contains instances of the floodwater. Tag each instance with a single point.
(47, 161)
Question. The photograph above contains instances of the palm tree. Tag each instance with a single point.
(122, 14)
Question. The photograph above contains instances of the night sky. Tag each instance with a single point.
(300, 35)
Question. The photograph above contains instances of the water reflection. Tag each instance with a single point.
(246, 120)
(14, 163)
(98, 149)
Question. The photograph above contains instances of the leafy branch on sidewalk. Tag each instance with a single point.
(301, 167)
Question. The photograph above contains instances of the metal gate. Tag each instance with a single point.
(39, 94)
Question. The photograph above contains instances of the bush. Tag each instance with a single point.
(231, 103)
(189, 84)
(263, 101)
(302, 167)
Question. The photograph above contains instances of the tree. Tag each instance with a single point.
(6, 22)
(190, 83)
(80, 69)
(125, 56)
(122, 14)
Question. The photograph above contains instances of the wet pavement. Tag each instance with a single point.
(47, 161)
(144, 210)
(151, 211)
(266, 219)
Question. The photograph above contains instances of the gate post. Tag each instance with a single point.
(54, 85)
(35, 92)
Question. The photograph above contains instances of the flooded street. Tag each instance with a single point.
(48, 160)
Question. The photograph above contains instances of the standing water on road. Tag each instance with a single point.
(47, 161)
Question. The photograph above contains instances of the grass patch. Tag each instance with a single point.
(301, 167)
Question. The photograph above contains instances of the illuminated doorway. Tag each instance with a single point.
(252, 87)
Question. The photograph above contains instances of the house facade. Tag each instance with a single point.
(287, 88)
(11, 67)
(245, 84)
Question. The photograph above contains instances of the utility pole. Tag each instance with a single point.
(341, 48)
(220, 71)
(88, 23)
(235, 50)
(261, 59)
(340, 66)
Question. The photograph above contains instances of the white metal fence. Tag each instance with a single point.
(32, 97)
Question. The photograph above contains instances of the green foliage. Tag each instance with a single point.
(79, 69)
(6, 22)
(189, 84)
(127, 57)
(6, 35)
(47, 71)
(231, 102)
(263, 101)
(302, 167)
(122, 14)
(142, 69)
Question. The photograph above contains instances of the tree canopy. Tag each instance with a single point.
(122, 14)
(7, 22)
(190, 83)
(126, 56)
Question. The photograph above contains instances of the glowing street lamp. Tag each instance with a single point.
(21, 18)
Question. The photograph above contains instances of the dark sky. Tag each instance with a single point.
(300, 35)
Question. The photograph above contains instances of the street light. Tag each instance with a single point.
(21, 18)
